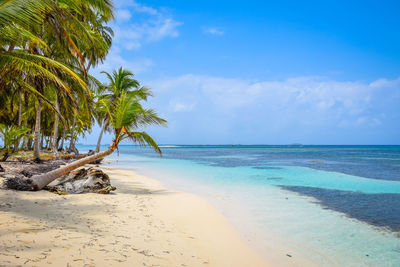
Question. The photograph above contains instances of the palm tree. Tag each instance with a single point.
(9, 135)
(120, 81)
(127, 116)
(46, 43)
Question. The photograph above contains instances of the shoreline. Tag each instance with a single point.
(280, 233)
(141, 223)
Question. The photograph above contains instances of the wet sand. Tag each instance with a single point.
(140, 224)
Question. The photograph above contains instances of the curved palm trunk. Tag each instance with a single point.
(36, 146)
(55, 134)
(101, 135)
(41, 180)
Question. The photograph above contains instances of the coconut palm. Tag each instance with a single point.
(50, 44)
(120, 81)
(127, 116)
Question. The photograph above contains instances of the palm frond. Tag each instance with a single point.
(143, 139)
(34, 64)
(25, 13)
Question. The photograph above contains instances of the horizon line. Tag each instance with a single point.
(232, 144)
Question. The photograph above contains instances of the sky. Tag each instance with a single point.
(263, 72)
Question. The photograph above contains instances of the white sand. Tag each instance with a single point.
(140, 224)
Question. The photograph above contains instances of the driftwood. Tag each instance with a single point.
(17, 176)
(83, 180)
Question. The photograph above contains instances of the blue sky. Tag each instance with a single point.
(264, 72)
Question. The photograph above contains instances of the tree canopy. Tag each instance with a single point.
(48, 96)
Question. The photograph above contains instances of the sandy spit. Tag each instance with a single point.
(140, 224)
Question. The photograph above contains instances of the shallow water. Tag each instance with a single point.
(334, 205)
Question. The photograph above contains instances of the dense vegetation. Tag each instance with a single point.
(48, 97)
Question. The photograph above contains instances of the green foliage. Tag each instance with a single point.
(47, 48)
(121, 82)
(124, 111)
(10, 134)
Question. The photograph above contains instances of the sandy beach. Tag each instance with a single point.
(140, 224)
(199, 133)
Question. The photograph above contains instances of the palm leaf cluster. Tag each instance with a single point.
(47, 49)
(118, 105)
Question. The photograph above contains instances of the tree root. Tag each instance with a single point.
(20, 184)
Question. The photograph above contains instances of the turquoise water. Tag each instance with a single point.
(336, 206)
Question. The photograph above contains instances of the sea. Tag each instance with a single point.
(334, 205)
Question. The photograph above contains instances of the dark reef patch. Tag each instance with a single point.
(377, 209)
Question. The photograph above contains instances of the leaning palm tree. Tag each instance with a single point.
(127, 116)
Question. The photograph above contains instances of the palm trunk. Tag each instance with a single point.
(30, 144)
(42, 142)
(25, 139)
(37, 143)
(103, 127)
(16, 145)
(48, 142)
(5, 156)
(55, 134)
(20, 108)
(41, 180)
(61, 147)
(58, 143)
(72, 142)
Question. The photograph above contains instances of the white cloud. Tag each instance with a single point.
(228, 93)
(137, 7)
(150, 25)
(213, 31)
(166, 27)
(144, 9)
(271, 111)
(123, 14)
(115, 60)
(181, 106)
(385, 83)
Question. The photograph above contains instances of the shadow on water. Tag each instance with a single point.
(381, 210)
